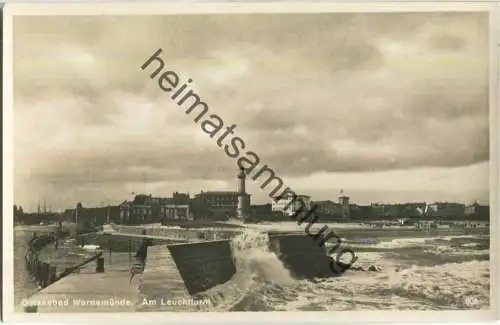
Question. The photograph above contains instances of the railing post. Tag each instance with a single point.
(38, 272)
(129, 251)
(53, 274)
(31, 309)
(100, 265)
(45, 270)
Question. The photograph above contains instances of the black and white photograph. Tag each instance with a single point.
(249, 160)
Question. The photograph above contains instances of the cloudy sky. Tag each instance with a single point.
(388, 107)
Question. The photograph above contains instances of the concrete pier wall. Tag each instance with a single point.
(203, 265)
(123, 242)
(301, 255)
(191, 235)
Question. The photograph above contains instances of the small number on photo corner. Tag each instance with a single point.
(471, 300)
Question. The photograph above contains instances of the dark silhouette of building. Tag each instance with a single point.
(178, 207)
(143, 209)
(217, 205)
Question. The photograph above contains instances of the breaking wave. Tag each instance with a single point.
(258, 271)
(412, 242)
(263, 283)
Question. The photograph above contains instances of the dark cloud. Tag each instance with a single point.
(310, 93)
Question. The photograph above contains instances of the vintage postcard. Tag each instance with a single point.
(263, 162)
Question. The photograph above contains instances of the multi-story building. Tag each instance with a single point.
(217, 204)
(87, 218)
(360, 211)
(176, 208)
(405, 210)
(291, 204)
(414, 209)
(446, 209)
(264, 212)
(477, 210)
(384, 210)
(261, 208)
(328, 207)
(143, 209)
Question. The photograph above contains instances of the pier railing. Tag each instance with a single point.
(44, 274)
(191, 235)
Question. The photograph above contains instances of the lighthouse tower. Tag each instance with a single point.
(242, 195)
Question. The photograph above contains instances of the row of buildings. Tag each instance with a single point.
(343, 209)
(222, 205)
(290, 204)
(212, 205)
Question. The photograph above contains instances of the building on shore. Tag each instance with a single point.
(223, 205)
(176, 208)
(264, 212)
(89, 218)
(446, 209)
(290, 204)
(328, 207)
(143, 209)
(478, 211)
(69, 215)
(395, 211)
(217, 205)
(261, 209)
(149, 209)
(360, 212)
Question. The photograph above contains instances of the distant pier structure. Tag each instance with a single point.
(243, 198)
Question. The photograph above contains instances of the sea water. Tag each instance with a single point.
(416, 271)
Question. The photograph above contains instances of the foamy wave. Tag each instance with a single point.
(91, 247)
(263, 283)
(461, 236)
(170, 227)
(412, 242)
(471, 245)
(402, 242)
(464, 249)
(257, 267)
(366, 259)
(448, 286)
(292, 226)
(460, 285)
(252, 254)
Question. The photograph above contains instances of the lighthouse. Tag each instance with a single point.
(242, 195)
